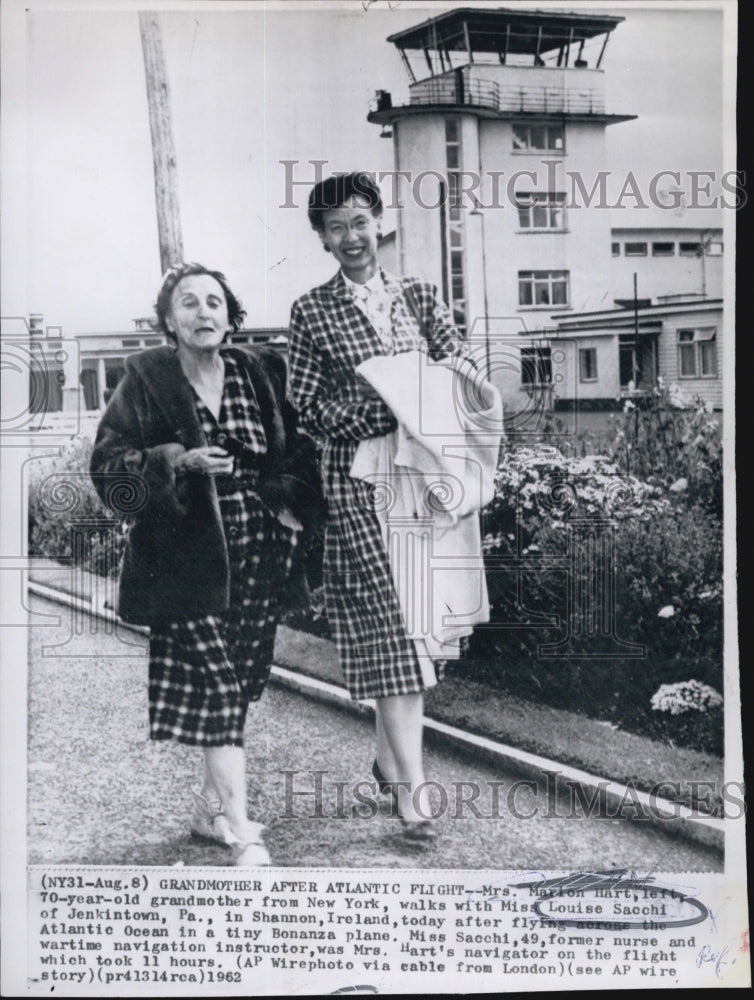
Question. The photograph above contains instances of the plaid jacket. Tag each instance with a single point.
(330, 336)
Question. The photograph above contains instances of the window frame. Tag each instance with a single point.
(693, 347)
(548, 127)
(550, 201)
(537, 360)
(534, 280)
(583, 352)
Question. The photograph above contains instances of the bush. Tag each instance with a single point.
(642, 568)
(537, 485)
(674, 442)
(67, 520)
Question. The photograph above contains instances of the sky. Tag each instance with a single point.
(253, 84)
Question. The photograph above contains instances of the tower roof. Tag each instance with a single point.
(527, 32)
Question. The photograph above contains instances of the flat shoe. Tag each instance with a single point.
(250, 853)
(208, 821)
(384, 786)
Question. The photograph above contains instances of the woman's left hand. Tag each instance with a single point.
(288, 519)
(208, 461)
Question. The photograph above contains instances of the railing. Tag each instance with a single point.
(66, 423)
(551, 100)
(456, 90)
(451, 89)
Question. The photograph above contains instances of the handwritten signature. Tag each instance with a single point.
(589, 880)
(707, 955)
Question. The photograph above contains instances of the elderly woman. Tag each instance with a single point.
(205, 434)
(360, 313)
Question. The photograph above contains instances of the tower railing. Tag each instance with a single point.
(450, 89)
(551, 100)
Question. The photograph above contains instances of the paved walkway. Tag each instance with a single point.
(101, 793)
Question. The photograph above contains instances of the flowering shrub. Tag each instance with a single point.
(537, 485)
(685, 696)
(649, 570)
(670, 440)
(690, 712)
(61, 493)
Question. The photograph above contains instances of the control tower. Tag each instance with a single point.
(505, 118)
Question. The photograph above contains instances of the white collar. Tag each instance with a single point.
(375, 284)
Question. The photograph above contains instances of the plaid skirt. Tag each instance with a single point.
(204, 673)
(378, 659)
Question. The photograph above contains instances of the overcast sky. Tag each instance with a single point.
(253, 84)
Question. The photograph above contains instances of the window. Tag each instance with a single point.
(541, 210)
(697, 353)
(536, 366)
(543, 288)
(455, 221)
(714, 249)
(636, 249)
(690, 249)
(615, 249)
(588, 364)
(549, 138)
(663, 249)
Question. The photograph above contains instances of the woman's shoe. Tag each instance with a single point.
(384, 786)
(251, 852)
(209, 822)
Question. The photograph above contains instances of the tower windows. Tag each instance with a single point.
(539, 138)
(455, 221)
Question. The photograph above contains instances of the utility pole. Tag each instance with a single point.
(163, 150)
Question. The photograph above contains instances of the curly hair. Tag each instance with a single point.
(334, 191)
(236, 312)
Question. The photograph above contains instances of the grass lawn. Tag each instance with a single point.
(567, 737)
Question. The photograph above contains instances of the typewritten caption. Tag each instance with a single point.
(111, 932)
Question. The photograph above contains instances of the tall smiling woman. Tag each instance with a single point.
(360, 313)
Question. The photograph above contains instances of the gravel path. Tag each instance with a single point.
(101, 793)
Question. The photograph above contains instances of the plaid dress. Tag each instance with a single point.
(329, 337)
(204, 673)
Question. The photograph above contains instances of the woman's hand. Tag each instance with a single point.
(207, 461)
(289, 519)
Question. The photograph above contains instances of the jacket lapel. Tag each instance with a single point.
(346, 311)
(170, 392)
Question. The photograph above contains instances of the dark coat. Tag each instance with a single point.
(175, 565)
